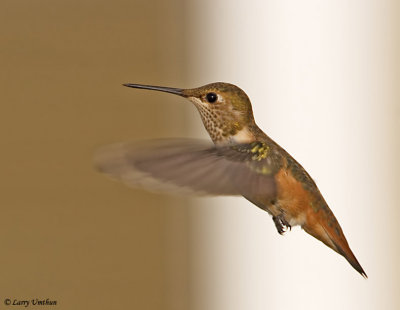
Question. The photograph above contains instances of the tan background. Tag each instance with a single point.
(68, 233)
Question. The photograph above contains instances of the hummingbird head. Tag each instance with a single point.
(224, 108)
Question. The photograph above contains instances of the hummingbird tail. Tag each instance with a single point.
(328, 231)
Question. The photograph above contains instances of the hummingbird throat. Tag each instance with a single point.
(223, 126)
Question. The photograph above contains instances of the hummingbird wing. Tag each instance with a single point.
(188, 166)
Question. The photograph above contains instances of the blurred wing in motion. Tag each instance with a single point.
(186, 166)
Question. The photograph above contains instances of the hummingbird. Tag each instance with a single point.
(241, 161)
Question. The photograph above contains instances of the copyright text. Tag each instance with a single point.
(30, 302)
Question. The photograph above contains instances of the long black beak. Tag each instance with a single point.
(175, 91)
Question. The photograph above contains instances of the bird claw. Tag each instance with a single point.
(281, 224)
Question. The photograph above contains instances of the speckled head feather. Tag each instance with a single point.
(227, 115)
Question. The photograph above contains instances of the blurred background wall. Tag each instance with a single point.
(324, 81)
(68, 233)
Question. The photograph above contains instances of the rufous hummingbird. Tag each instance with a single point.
(242, 161)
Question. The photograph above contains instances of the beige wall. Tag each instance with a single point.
(68, 233)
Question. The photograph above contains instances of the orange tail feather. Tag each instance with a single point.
(324, 226)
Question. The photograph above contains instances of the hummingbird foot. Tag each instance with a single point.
(281, 224)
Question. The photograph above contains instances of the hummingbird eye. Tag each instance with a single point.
(211, 97)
